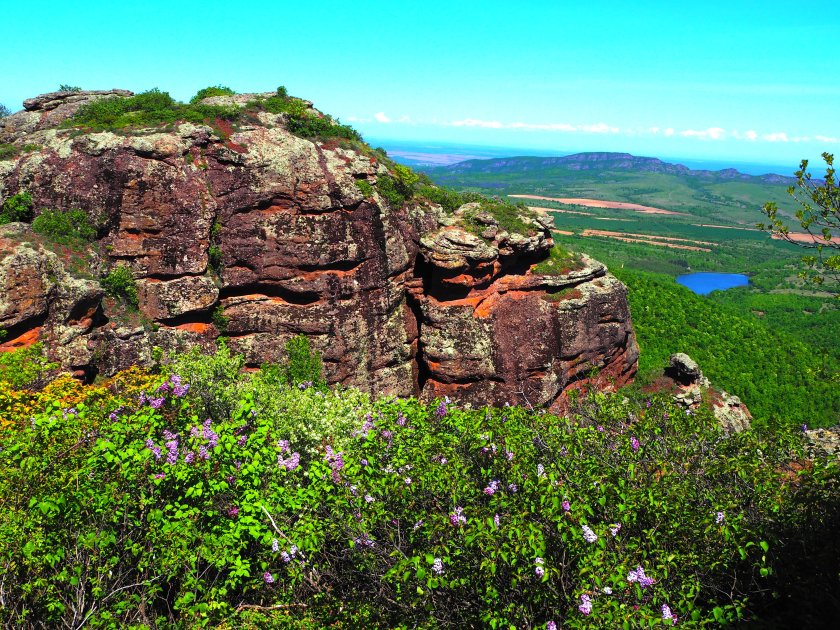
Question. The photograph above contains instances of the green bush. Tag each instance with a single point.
(120, 284)
(304, 367)
(214, 90)
(4, 111)
(364, 186)
(24, 367)
(147, 109)
(64, 226)
(18, 207)
(64, 87)
(398, 515)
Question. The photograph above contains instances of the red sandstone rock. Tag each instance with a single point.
(403, 301)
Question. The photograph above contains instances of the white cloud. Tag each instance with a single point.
(381, 117)
(712, 133)
(828, 139)
(779, 136)
(669, 131)
(474, 122)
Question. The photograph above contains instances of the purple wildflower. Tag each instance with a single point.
(400, 419)
(585, 604)
(497, 521)
(369, 499)
(150, 443)
(164, 388)
(668, 615)
(290, 463)
(160, 475)
(614, 529)
(286, 557)
(550, 625)
(179, 391)
(437, 566)
(275, 545)
(634, 443)
(156, 403)
(268, 578)
(509, 455)
(242, 440)
(566, 506)
(719, 517)
(607, 590)
(364, 541)
(491, 488)
(194, 431)
(457, 517)
(600, 428)
(540, 470)
(512, 488)
(440, 412)
(364, 462)
(189, 457)
(408, 481)
(418, 524)
(283, 445)
(588, 535)
(233, 512)
(202, 453)
(804, 427)
(638, 575)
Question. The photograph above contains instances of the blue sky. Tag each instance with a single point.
(740, 81)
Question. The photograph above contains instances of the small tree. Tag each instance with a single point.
(819, 217)
(4, 111)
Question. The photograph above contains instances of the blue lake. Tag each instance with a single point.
(704, 283)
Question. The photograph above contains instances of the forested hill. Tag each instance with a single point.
(545, 167)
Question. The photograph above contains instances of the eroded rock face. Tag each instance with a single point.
(267, 235)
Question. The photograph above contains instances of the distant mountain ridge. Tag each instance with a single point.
(602, 161)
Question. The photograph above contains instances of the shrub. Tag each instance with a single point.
(421, 517)
(450, 200)
(389, 187)
(303, 364)
(364, 186)
(24, 367)
(4, 111)
(120, 285)
(63, 226)
(18, 207)
(69, 88)
(147, 109)
(311, 126)
(214, 90)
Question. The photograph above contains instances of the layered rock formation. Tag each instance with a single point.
(404, 300)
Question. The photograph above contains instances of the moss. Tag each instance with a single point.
(559, 262)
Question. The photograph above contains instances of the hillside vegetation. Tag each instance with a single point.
(201, 496)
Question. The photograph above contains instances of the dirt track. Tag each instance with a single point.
(599, 203)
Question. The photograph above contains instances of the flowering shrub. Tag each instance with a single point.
(386, 513)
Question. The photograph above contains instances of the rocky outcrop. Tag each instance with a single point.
(692, 388)
(257, 234)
